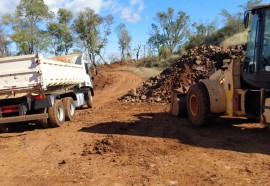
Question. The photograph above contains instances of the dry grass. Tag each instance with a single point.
(237, 39)
(142, 71)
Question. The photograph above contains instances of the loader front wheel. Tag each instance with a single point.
(198, 105)
(56, 114)
(69, 108)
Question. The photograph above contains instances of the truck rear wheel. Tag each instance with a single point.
(89, 103)
(69, 107)
(198, 105)
(56, 114)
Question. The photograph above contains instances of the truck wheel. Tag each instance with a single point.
(89, 103)
(69, 107)
(43, 122)
(56, 114)
(198, 105)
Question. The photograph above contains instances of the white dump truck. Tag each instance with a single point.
(33, 88)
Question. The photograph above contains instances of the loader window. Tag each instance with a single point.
(266, 44)
(251, 52)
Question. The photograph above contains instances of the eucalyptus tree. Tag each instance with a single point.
(60, 33)
(169, 31)
(93, 30)
(25, 25)
(124, 40)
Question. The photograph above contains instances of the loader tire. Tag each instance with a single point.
(69, 107)
(56, 114)
(198, 105)
(89, 103)
(178, 105)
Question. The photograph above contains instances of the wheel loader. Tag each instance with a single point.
(237, 89)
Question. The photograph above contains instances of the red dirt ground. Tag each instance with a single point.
(134, 144)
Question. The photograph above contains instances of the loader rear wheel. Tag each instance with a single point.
(89, 103)
(56, 114)
(198, 105)
(69, 107)
(178, 105)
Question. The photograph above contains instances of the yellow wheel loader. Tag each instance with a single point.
(237, 88)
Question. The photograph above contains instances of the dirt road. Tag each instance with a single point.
(134, 144)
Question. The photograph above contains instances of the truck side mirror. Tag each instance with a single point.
(246, 19)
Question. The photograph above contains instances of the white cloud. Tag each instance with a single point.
(77, 5)
(8, 6)
(131, 11)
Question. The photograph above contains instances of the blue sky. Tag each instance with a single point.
(138, 14)
(198, 10)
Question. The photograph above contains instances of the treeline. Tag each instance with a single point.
(33, 28)
(174, 33)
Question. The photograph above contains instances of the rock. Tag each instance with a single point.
(158, 99)
(132, 92)
(62, 162)
(143, 97)
(196, 64)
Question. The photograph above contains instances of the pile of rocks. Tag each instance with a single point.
(198, 63)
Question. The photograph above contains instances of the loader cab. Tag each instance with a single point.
(256, 68)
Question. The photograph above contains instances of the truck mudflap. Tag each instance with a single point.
(15, 119)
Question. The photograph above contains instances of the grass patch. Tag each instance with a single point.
(237, 39)
(156, 62)
(142, 71)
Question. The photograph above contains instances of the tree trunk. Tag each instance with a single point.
(122, 56)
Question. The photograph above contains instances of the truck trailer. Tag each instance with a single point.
(34, 88)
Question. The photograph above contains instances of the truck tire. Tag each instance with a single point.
(56, 114)
(43, 122)
(69, 107)
(89, 103)
(198, 105)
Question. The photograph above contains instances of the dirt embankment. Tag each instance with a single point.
(118, 143)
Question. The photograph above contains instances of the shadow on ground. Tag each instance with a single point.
(229, 134)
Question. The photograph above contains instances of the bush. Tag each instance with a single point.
(237, 39)
(156, 62)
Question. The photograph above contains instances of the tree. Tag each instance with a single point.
(4, 42)
(93, 31)
(250, 4)
(234, 21)
(61, 39)
(124, 40)
(170, 30)
(25, 25)
(138, 49)
(156, 40)
(198, 34)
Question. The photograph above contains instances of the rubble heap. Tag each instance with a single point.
(196, 64)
